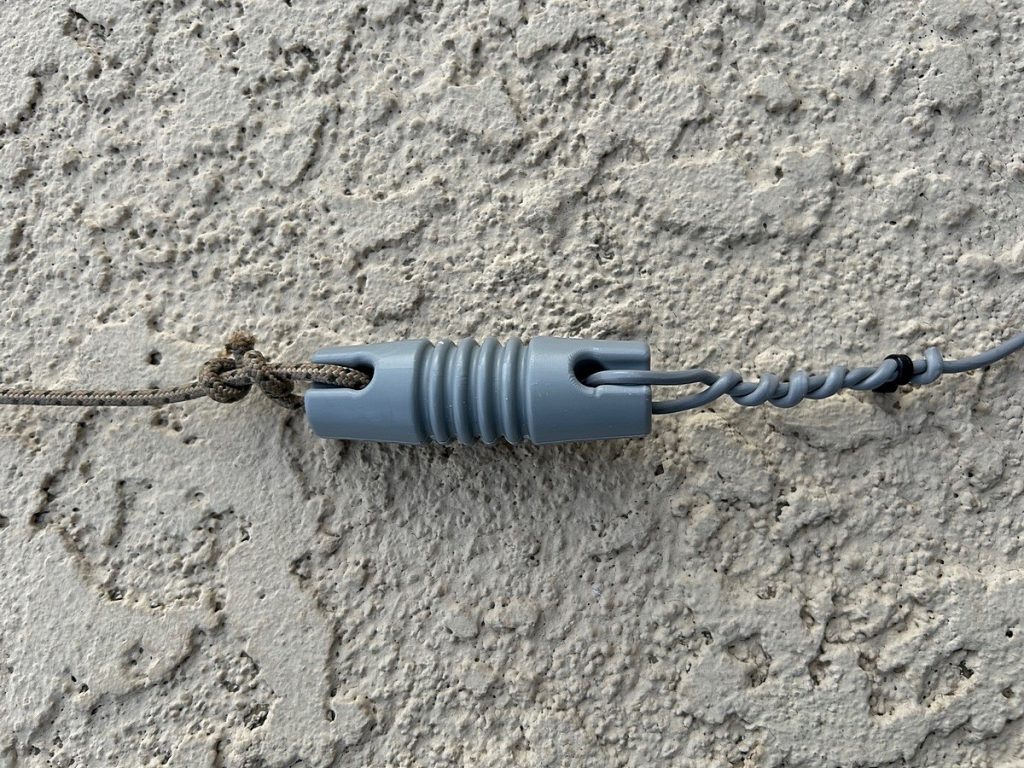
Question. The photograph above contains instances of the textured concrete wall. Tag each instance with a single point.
(763, 185)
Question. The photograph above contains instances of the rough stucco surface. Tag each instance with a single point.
(746, 184)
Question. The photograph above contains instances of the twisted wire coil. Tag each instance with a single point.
(769, 388)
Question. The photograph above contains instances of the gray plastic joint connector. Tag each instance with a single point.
(420, 392)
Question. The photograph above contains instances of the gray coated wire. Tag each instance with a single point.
(785, 394)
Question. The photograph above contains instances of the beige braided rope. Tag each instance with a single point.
(226, 379)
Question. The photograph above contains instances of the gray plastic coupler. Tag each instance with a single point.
(421, 392)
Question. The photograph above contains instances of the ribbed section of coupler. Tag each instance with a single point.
(471, 391)
(467, 391)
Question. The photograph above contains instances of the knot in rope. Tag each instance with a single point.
(215, 386)
(229, 377)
